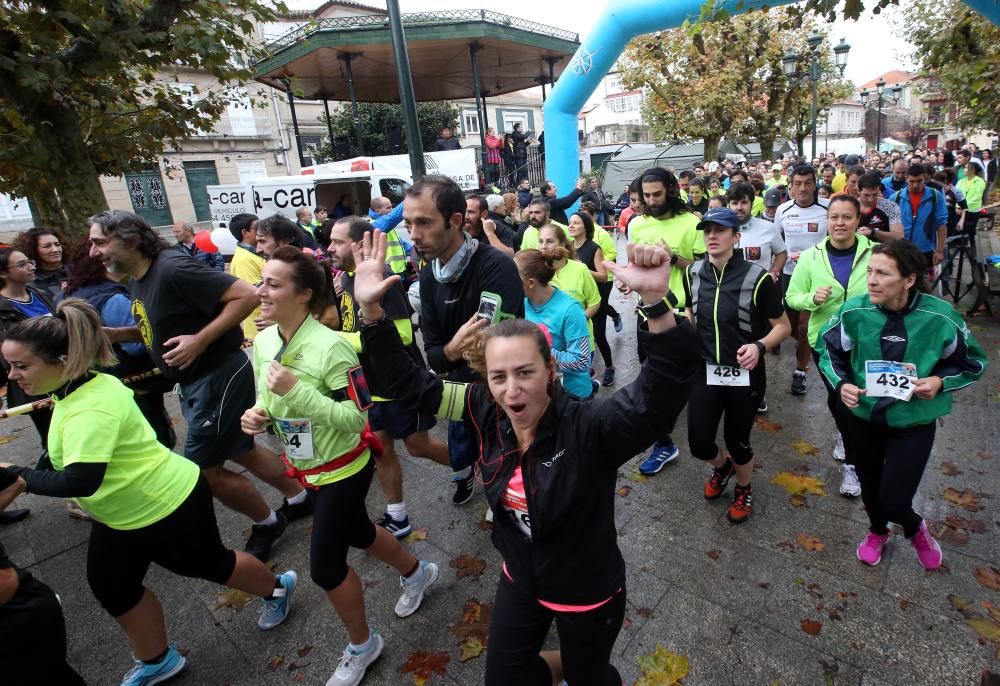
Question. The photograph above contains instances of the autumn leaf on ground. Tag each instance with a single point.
(798, 486)
(811, 626)
(468, 565)
(765, 424)
(988, 630)
(974, 526)
(473, 628)
(949, 468)
(417, 535)
(662, 668)
(988, 577)
(233, 598)
(798, 501)
(637, 476)
(951, 535)
(963, 606)
(470, 648)
(425, 665)
(714, 554)
(803, 448)
(7, 438)
(624, 491)
(275, 662)
(810, 543)
(964, 499)
(984, 455)
(304, 650)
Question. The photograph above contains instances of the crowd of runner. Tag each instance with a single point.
(511, 306)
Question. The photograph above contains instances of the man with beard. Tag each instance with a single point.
(538, 213)
(487, 231)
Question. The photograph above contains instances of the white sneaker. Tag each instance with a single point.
(413, 593)
(839, 452)
(351, 668)
(850, 486)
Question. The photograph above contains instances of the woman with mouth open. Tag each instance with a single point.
(548, 464)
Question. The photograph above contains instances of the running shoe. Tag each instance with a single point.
(298, 510)
(400, 528)
(263, 536)
(870, 549)
(928, 550)
(617, 321)
(798, 382)
(739, 509)
(352, 666)
(717, 482)
(762, 408)
(276, 610)
(595, 386)
(659, 456)
(609, 376)
(413, 592)
(147, 675)
(464, 490)
(849, 484)
(839, 451)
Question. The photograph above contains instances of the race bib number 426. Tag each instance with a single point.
(887, 379)
(720, 375)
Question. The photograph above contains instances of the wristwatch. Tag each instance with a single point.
(673, 259)
(761, 348)
(655, 310)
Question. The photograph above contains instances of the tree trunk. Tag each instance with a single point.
(72, 191)
(766, 147)
(711, 146)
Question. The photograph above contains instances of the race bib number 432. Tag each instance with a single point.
(887, 379)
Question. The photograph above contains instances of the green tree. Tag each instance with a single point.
(90, 89)
(960, 49)
(376, 116)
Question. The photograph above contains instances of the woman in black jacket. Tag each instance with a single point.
(548, 463)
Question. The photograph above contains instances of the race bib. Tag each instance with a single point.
(296, 437)
(885, 379)
(721, 375)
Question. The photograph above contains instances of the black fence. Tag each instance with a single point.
(506, 175)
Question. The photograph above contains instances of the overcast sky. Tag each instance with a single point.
(875, 50)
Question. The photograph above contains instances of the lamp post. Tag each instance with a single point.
(790, 65)
(825, 113)
(897, 91)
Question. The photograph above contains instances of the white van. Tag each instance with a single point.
(285, 194)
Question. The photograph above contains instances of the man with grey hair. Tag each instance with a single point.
(485, 230)
(184, 233)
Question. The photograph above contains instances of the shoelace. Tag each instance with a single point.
(135, 671)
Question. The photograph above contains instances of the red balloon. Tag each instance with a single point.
(203, 239)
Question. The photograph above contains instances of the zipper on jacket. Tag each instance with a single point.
(715, 308)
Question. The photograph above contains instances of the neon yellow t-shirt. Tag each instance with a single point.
(529, 240)
(574, 279)
(248, 266)
(771, 182)
(839, 182)
(100, 423)
(758, 206)
(680, 233)
(606, 243)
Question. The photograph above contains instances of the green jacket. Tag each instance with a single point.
(929, 333)
(813, 271)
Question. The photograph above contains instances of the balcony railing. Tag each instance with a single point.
(238, 127)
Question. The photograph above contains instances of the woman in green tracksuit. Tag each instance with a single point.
(895, 354)
(313, 394)
(825, 277)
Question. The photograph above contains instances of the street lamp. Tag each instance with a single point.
(790, 65)
(825, 113)
(882, 99)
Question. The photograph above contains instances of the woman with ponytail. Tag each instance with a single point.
(148, 504)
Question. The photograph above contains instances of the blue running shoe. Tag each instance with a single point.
(275, 611)
(617, 321)
(147, 675)
(661, 454)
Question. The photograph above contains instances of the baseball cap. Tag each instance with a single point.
(852, 160)
(775, 167)
(720, 215)
(773, 197)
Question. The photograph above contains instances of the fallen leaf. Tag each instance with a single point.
(7, 438)
(662, 668)
(992, 610)
(964, 499)
(949, 468)
(903, 603)
(637, 477)
(275, 662)
(624, 491)
(470, 648)
(765, 424)
(425, 665)
(798, 501)
(298, 677)
(798, 486)
(417, 535)
(474, 622)
(811, 626)
(975, 526)
(468, 565)
(984, 455)
(988, 630)
(644, 612)
(626, 622)
(233, 598)
(948, 534)
(987, 577)
(304, 650)
(963, 606)
(810, 543)
(764, 584)
(804, 448)
(714, 554)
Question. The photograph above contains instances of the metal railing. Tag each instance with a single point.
(238, 127)
(507, 174)
(418, 19)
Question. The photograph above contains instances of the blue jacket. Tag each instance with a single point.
(921, 226)
(214, 260)
(887, 188)
(387, 222)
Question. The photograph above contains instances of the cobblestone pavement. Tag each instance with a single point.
(735, 600)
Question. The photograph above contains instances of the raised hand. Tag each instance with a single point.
(647, 271)
(369, 270)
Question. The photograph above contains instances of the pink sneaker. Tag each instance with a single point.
(870, 550)
(928, 550)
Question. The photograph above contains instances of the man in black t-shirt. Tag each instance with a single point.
(189, 318)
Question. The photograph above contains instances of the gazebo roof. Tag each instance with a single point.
(512, 56)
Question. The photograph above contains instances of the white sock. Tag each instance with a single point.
(417, 576)
(364, 647)
(396, 510)
(269, 520)
(461, 474)
(297, 499)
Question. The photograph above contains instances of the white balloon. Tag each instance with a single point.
(224, 241)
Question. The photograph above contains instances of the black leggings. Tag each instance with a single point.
(517, 634)
(600, 321)
(890, 464)
(340, 522)
(706, 408)
(841, 415)
(186, 542)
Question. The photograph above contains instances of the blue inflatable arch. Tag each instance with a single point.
(621, 21)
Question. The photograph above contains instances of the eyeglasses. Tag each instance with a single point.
(24, 263)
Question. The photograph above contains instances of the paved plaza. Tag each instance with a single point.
(780, 599)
